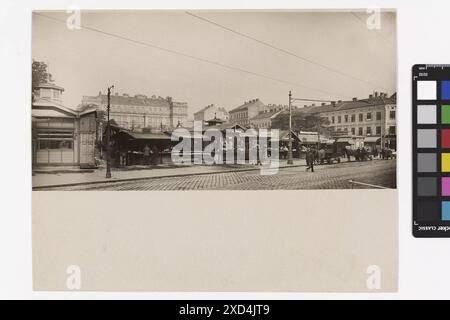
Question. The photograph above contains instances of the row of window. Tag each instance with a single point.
(146, 110)
(352, 118)
(360, 131)
(54, 144)
(139, 119)
(262, 125)
(240, 115)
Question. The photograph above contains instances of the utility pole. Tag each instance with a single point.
(108, 137)
(290, 161)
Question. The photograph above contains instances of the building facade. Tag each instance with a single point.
(211, 112)
(263, 120)
(371, 117)
(139, 111)
(241, 115)
(61, 136)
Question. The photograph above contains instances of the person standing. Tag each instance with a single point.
(310, 160)
(146, 155)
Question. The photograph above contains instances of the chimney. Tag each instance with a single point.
(370, 96)
(376, 93)
(355, 99)
(169, 100)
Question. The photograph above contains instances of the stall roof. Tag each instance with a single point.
(50, 113)
(308, 137)
(147, 136)
(284, 135)
(372, 139)
(225, 125)
(345, 140)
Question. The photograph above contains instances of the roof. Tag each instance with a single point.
(265, 115)
(345, 140)
(308, 137)
(49, 113)
(49, 86)
(256, 102)
(147, 136)
(44, 103)
(372, 139)
(43, 107)
(137, 100)
(211, 106)
(284, 135)
(226, 125)
(348, 105)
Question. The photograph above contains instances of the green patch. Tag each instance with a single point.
(445, 114)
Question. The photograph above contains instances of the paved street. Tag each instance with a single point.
(378, 172)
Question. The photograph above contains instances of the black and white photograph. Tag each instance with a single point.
(214, 100)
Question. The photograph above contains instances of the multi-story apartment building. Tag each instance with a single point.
(374, 116)
(241, 115)
(139, 111)
(211, 112)
(263, 120)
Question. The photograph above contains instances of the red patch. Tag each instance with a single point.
(445, 138)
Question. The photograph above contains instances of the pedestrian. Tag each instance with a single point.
(321, 155)
(310, 160)
(363, 154)
(146, 155)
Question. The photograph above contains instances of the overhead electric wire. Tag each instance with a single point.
(186, 55)
(304, 59)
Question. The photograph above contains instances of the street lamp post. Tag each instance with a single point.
(108, 137)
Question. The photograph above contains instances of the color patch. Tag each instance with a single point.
(426, 162)
(426, 138)
(445, 114)
(428, 210)
(445, 186)
(445, 162)
(445, 90)
(426, 90)
(446, 210)
(445, 138)
(426, 114)
(427, 186)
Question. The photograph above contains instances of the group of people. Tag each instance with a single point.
(363, 154)
(150, 155)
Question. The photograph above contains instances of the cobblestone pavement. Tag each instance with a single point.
(377, 172)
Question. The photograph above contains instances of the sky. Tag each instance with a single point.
(321, 55)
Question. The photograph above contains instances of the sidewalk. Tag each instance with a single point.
(71, 176)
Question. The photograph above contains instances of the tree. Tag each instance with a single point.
(301, 121)
(39, 75)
